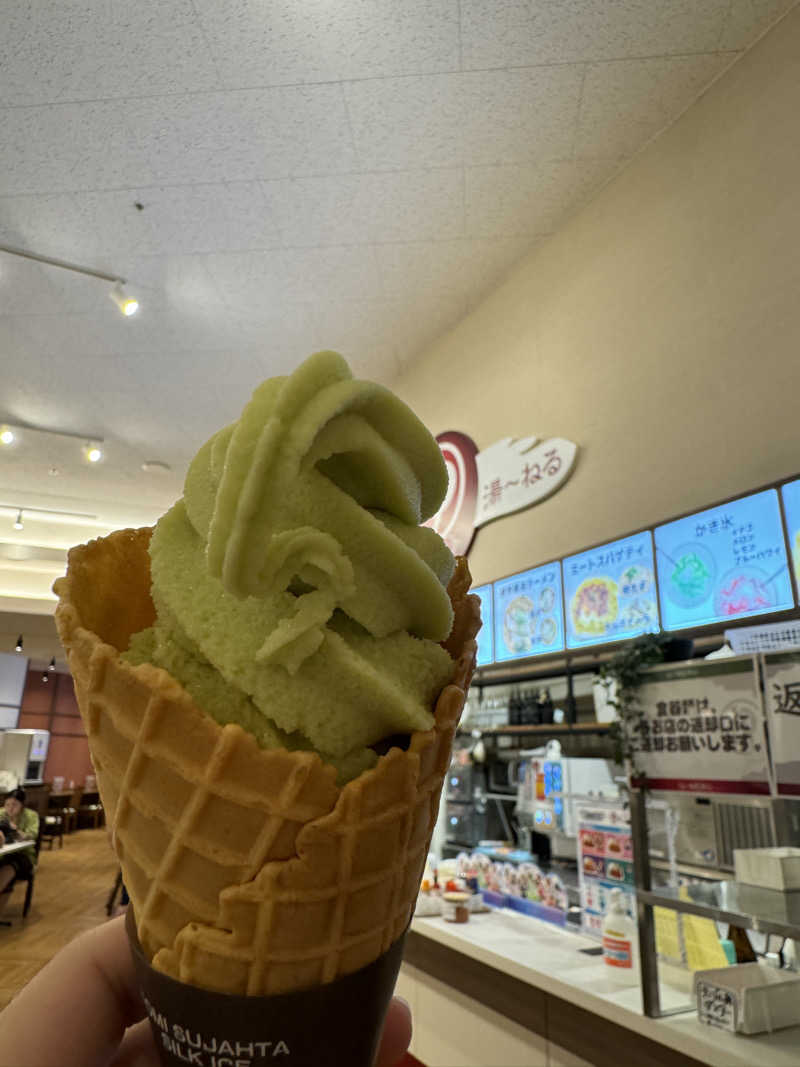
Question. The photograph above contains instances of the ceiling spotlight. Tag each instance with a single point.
(45, 677)
(7, 437)
(52, 665)
(128, 305)
(18, 523)
(18, 646)
(92, 452)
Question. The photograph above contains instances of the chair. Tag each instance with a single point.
(52, 827)
(63, 804)
(90, 810)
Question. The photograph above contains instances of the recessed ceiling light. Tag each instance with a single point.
(18, 524)
(54, 472)
(155, 466)
(93, 452)
(7, 436)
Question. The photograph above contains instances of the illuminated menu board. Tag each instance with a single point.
(528, 613)
(791, 509)
(610, 592)
(724, 563)
(486, 632)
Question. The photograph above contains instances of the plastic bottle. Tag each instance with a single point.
(620, 941)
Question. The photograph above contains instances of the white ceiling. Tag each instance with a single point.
(353, 175)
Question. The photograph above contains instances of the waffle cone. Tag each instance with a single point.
(249, 870)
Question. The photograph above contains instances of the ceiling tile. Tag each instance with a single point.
(69, 146)
(37, 289)
(248, 279)
(479, 117)
(531, 199)
(462, 267)
(205, 218)
(180, 281)
(362, 332)
(72, 336)
(91, 49)
(256, 44)
(175, 219)
(747, 19)
(531, 32)
(332, 274)
(627, 102)
(17, 346)
(356, 208)
(520, 115)
(434, 314)
(241, 135)
(400, 122)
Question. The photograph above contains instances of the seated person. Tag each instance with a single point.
(17, 823)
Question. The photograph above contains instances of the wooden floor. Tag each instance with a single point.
(69, 896)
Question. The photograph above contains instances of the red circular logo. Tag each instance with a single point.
(455, 519)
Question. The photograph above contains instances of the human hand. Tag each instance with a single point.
(89, 998)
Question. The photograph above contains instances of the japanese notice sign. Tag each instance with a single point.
(782, 698)
(486, 632)
(724, 563)
(605, 861)
(610, 592)
(715, 1006)
(702, 728)
(791, 509)
(528, 613)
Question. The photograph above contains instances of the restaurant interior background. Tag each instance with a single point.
(578, 222)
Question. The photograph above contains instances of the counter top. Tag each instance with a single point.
(549, 958)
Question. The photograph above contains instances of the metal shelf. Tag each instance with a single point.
(549, 729)
(763, 910)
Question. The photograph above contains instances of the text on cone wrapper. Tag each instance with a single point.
(192, 1047)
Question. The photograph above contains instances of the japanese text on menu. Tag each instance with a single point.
(528, 613)
(723, 563)
(610, 592)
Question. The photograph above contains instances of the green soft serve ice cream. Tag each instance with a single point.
(296, 593)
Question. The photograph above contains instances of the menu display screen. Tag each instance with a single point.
(724, 563)
(791, 509)
(610, 592)
(528, 613)
(486, 632)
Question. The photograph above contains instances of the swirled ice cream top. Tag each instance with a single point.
(296, 592)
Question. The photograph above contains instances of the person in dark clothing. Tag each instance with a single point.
(17, 823)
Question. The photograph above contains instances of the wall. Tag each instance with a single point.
(659, 329)
(52, 706)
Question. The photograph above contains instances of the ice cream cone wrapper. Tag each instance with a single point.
(312, 1026)
(251, 874)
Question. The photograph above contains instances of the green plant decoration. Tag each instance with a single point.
(626, 668)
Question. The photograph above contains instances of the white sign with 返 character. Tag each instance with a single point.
(701, 728)
(782, 696)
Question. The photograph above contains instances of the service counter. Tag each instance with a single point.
(506, 990)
